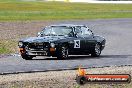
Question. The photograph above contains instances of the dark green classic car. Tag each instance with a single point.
(61, 41)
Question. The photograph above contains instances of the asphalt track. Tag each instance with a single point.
(118, 50)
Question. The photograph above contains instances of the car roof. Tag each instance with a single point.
(67, 25)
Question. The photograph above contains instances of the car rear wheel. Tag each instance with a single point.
(97, 51)
(63, 53)
(27, 57)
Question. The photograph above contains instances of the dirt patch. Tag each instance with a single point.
(61, 79)
(12, 32)
(16, 30)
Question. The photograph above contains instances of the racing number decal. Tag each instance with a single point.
(76, 43)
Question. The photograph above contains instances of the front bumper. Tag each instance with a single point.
(48, 52)
(37, 53)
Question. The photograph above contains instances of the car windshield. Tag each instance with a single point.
(56, 31)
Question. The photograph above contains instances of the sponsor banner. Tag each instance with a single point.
(83, 78)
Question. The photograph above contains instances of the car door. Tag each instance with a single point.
(89, 38)
(79, 41)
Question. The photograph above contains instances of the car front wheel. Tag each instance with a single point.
(63, 53)
(97, 51)
(27, 57)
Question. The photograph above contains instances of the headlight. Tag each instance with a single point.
(20, 44)
(52, 45)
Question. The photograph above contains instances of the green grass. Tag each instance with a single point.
(8, 46)
(4, 50)
(19, 10)
(37, 10)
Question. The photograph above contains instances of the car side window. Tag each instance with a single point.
(78, 31)
(86, 31)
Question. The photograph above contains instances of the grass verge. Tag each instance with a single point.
(7, 46)
(20, 10)
(36, 10)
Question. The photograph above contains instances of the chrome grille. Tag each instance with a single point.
(36, 46)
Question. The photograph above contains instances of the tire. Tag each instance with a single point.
(81, 80)
(27, 57)
(97, 50)
(63, 53)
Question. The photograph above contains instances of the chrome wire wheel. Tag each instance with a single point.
(97, 49)
(64, 52)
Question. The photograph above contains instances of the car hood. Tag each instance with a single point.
(43, 39)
